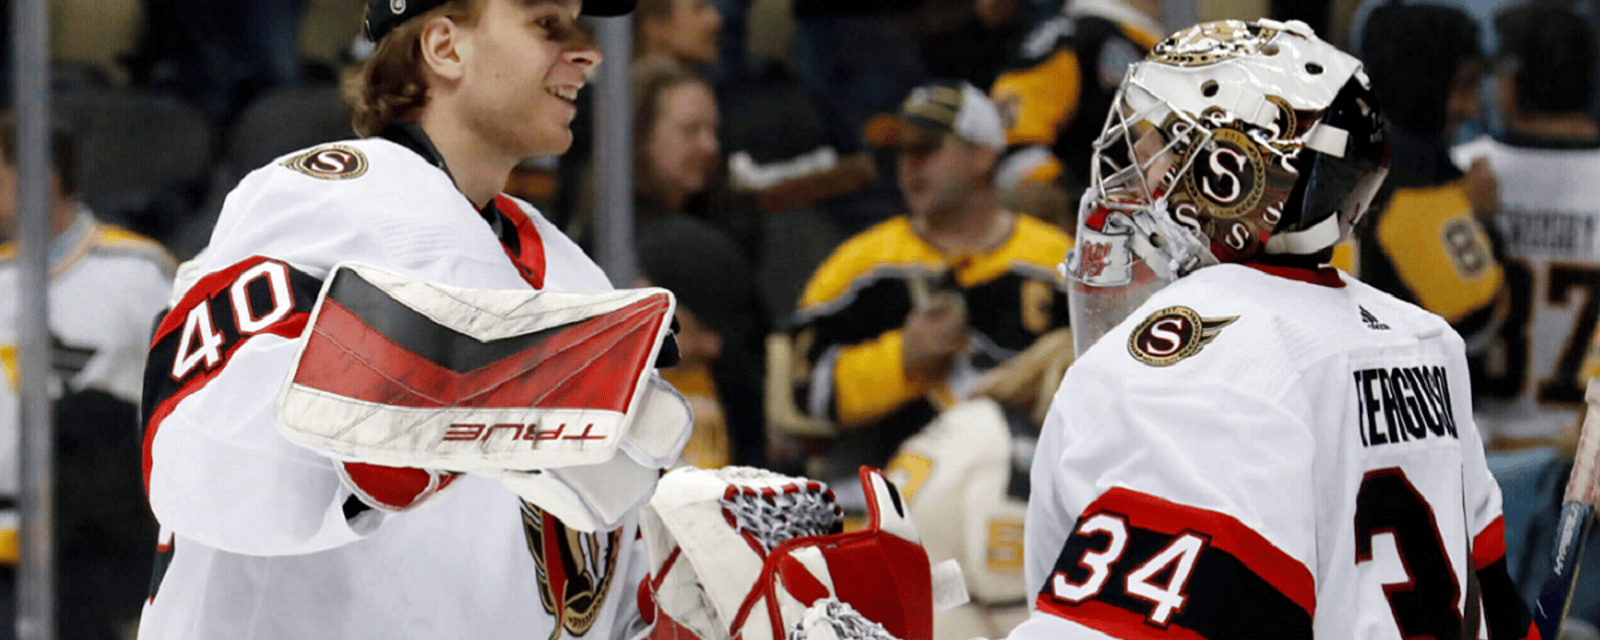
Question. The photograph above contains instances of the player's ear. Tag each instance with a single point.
(445, 46)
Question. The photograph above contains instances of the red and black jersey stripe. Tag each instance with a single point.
(1238, 586)
(521, 240)
(1508, 618)
(214, 298)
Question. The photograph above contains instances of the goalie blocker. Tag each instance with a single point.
(552, 393)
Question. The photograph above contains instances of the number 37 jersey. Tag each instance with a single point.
(1263, 452)
(1534, 373)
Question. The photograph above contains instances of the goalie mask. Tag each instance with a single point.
(1230, 141)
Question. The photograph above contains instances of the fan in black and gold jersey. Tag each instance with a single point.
(904, 318)
(1424, 240)
(1056, 96)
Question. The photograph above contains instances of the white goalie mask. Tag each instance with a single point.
(1230, 141)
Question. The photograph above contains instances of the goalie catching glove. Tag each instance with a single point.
(553, 393)
(744, 553)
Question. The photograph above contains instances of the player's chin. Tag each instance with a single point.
(551, 141)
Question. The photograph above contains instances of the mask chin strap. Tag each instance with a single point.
(1328, 139)
(1306, 241)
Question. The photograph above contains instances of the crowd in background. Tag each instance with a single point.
(839, 288)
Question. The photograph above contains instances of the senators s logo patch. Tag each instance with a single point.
(330, 162)
(1172, 334)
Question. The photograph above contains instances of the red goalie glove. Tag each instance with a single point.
(741, 553)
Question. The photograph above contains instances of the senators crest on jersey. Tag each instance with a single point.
(1173, 334)
(330, 162)
(575, 569)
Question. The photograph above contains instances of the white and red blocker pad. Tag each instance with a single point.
(399, 372)
(741, 553)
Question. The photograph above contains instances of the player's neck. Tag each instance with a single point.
(479, 166)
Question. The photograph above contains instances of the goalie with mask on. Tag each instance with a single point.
(1252, 443)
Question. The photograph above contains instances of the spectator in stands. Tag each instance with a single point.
(983, 43)
(679, 194)
(106, 287)
(1423, 240)
(1548, 161)
(722, 325)
(679, 166)
(681, 30)
(1055, 99)
(902, 319)
(678, 159)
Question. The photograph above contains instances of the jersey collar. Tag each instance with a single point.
(411, 136)
(1324, 276)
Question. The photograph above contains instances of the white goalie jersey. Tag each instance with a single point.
(1260, 452)
(266, 537)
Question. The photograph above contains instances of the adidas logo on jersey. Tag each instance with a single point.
(1372, 321)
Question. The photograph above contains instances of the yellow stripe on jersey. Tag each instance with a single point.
(1144, 39)
(1047, 172)
(1439, 250)
(10, 548)
(1039, 100)
(892, 245)
(870, 380)
(883, 245)
(115, 237)
(1034, 243)
(8, 361)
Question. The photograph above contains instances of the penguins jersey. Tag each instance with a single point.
(1267, 452)
(851, 312)
(106, 286)
(260, 538)
(1054, 101)
(1423, 243)
(1533, 375)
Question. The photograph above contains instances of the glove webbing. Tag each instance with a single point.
(768, 516)
(845, 622)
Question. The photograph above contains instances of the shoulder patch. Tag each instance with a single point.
(330, 162)
(1172, 334)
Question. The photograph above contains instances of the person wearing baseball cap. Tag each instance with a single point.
(452, 316)
(903, 319)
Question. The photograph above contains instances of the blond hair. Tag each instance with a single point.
(390, 87)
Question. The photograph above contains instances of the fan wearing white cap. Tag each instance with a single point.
(903, 319)
(390, 401)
